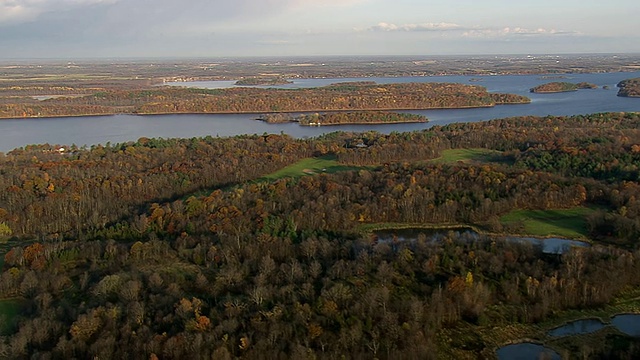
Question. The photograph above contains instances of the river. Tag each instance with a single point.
(89, 130)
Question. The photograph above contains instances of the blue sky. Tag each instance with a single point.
(229, 28)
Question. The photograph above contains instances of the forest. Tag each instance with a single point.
(262, 81)
(342, 118)
(337, 97)
(554, 87)
(193, 248)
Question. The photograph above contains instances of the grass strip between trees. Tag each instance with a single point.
(310, 166)
(467, 155)
(568, 223)
(8, 310)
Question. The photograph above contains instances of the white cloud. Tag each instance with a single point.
(442, 26)
(515, 31)
(468, 31)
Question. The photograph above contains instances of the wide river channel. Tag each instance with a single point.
(90, 130)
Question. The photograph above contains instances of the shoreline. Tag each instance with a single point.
(370, 228)
(361, 123)
(553, 92)
(262, 112)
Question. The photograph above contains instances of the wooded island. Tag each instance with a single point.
(555, 87)
(344, 118)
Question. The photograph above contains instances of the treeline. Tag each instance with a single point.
(52, 110)
(346, 117)
(41, 89)
(355, 96)
(352, 96)
(359, 117)
(255, 81)
(629, 88)
(78, 190)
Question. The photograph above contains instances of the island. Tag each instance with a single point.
(344, 118)
(258, 81)
(629, 88)
(350, 96)
(555, 87)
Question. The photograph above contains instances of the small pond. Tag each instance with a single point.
(526, 351)
(552, 245)
(627, 323)
(549, 246)
(586, 326)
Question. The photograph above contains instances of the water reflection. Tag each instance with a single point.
(526, 351)
(549, 245)
(578, 327)
(627, 323)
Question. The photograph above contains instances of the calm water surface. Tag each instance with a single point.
(548, 245)
(526, 351)
(123, 128)
(627, 323)
(586, 326)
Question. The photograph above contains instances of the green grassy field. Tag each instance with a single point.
(569, 223)
(310, 166)
(8, 310)
(467, 155)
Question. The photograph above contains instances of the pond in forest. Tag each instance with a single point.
(552, 245)
(586, 326)
(627, 323)
(526, 351)
(549, 246)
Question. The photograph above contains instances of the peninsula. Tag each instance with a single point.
(353, 96)
(629, 88)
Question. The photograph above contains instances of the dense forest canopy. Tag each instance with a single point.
(343, 117)
(554, 87)
(343, 96)
(629, 88)
(188, 248)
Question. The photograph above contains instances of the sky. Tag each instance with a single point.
(239, 28)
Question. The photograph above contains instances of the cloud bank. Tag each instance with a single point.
(383, 26)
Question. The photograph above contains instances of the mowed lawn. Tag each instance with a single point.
(568, 223)
(467, 155)
(310, 166)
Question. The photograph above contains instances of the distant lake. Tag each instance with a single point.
(89, 130)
